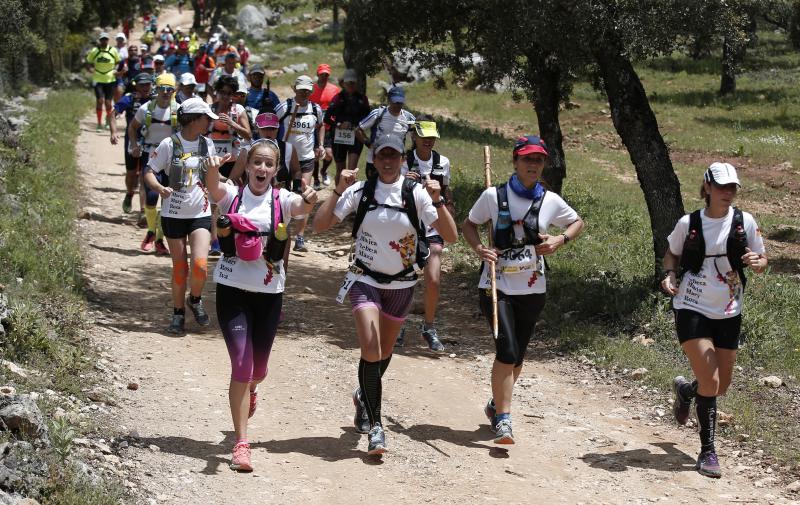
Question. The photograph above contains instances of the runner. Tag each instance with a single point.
(181, 62)
(102, 60)
(158, 61)
(385, 119)
(174, 172)
(301, 122)
(382, 279)
(268, 125)
(227, 69)
(204, 65)
(250, 282)
(423, 162)
(223, 49)
(324, 91)
(346, 111)
(712, 247)
(122, 69)
(260, 98)
(232, 126)
(130, 104)
(244, 55)
(521, 221)
(187, 87)
(159, 117)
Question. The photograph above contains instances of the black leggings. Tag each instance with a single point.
(516, 317)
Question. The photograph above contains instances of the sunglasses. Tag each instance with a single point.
(165, 89)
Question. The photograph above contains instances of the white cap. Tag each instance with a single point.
(242, 88)
(389, 140)
(304, 82)
(121, 35)
(188, 79)
(721, 174)
(158, 57)
(197, 105)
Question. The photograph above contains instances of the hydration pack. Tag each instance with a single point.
(694, 246)
(367, 203)
(179, 176)
(151, 108)
(436, 170)
(377, 128)
(503, 236)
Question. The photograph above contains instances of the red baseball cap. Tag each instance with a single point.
(529, 144)
(183, 45)
(324, 68)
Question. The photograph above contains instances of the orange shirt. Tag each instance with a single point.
(323, 96)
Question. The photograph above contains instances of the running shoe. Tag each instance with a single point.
(161, 248)
(490, 411)
(432, 338)
(215, 249)
(99, 129)
(708, 465)
(176, 326)
(199, 312)
(317, 186)
(502, 432)
(241, 458)
(401, 338)
(361, 419)
(253, 403)
(300, 244)
(377, 441)
(681, 406)
(127, 204)
(326, 181)
(142, 222)
(147, 243)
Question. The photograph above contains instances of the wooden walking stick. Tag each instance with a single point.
(487, 160)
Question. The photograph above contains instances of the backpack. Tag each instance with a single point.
(376, 128)
(315, 110)
(368, 203)
(694, 247)
(411, 160)
(177, 176)
(503, 234)
(173, 114)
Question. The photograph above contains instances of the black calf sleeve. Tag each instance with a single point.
(385, 364)
(369, 378)
(707, 418)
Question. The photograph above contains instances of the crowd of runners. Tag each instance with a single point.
(236, 172)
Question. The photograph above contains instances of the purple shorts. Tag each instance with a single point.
(392, 303)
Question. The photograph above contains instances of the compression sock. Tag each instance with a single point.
(151, 215)
(707, 418)
(194, 299)
(99, 113)
(159, 231)
(176, 311)
(369, 378)
(688, 391)
(385, 364)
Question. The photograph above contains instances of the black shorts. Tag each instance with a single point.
(226, 169)
(104, 90)
(340, 151)
(436, 239)
(131, 163)
(176, 227)
(723, 332)
(307, 166)
(516, 318)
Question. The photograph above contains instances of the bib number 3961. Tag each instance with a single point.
(345, 136)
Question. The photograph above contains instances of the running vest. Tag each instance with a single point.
(179, 176)
(173, 114)
(368, 203)
(504, 230)
(436, 168)
(224, 136)
(694, 247)
(275, 218)
(377, 128)
(315, 111)
(104, 61)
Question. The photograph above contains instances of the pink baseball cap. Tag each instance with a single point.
(267, 120)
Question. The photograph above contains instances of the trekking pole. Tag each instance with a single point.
(487, 160)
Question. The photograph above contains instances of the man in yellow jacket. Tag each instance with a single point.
(103, 60)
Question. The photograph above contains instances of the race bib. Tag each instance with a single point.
(353, 274)
(223, 147)
(344, 136)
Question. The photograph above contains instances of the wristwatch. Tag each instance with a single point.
(439, 203)
(566, 237)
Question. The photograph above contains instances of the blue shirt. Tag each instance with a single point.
(179, 64)
(260, 99)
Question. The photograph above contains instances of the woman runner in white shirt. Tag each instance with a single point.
(711, 247)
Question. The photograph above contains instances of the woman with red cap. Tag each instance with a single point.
(324, 91)
(522, 211)
(712, 247)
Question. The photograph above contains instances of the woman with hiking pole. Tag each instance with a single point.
(521, 212)
(391, 215)
(709, 250)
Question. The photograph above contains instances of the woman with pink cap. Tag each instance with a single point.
(522, 211)
(709, 251)
(251, 276)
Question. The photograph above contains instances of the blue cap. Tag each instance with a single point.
(396, 95)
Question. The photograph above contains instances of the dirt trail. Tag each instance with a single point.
(577, 439)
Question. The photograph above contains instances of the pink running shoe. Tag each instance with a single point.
(253, 403)
(241, 457)
(147, 243)
(161, 248)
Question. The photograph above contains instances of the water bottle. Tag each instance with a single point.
(276, 245)
(225, 236)
(503, 219)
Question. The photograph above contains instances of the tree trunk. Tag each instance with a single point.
(197, 21)
(335, 23)
(546, 107)
(728, 81)
(636, 125)
(350, 52)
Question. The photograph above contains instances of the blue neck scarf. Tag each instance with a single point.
(531, 194)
